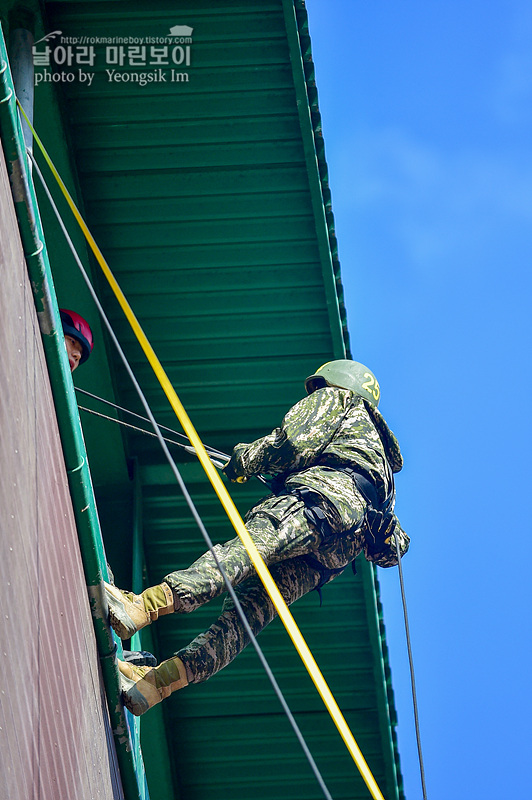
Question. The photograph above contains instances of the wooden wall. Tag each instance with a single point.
(55, 740)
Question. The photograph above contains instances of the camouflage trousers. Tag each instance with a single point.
(214, 649)
(284, 538)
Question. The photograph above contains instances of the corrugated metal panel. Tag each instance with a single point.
(53, 717)
(207, 184)
(203, 197)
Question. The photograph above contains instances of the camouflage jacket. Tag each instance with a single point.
(329, 429)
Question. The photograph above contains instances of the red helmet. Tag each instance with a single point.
(78, 328)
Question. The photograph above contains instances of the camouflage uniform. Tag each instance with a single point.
(327, 431)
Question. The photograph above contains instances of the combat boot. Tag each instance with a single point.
(129, 612)
(144, 687)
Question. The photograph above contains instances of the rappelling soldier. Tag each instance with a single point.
(332, 460)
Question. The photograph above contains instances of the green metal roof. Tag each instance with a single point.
(209, 199)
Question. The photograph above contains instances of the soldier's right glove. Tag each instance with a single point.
(233, 468)
(381, 528)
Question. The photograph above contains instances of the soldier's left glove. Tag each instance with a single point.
(381, 528)
(233, 468)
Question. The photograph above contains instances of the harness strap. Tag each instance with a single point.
(368, 490)
(314, 511)
(325, 573)
(315, 514)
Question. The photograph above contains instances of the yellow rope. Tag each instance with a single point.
(225, 499)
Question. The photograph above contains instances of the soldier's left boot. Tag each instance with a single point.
(145, 687)
(140, 658)
(129, 613)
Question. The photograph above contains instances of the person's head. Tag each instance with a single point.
(346, 374)
(78, 337)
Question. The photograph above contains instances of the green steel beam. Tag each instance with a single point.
(307, 107)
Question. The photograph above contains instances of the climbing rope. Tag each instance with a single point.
(186, 495)
(214, 454)
(144, 419)
(187, 448)
(411, 666)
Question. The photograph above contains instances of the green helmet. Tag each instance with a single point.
(346, 374)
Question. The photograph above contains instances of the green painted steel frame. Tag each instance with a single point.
(307, 106)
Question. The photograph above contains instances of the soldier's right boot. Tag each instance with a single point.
(129, 613)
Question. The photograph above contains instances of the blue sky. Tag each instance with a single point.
(427, 118)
